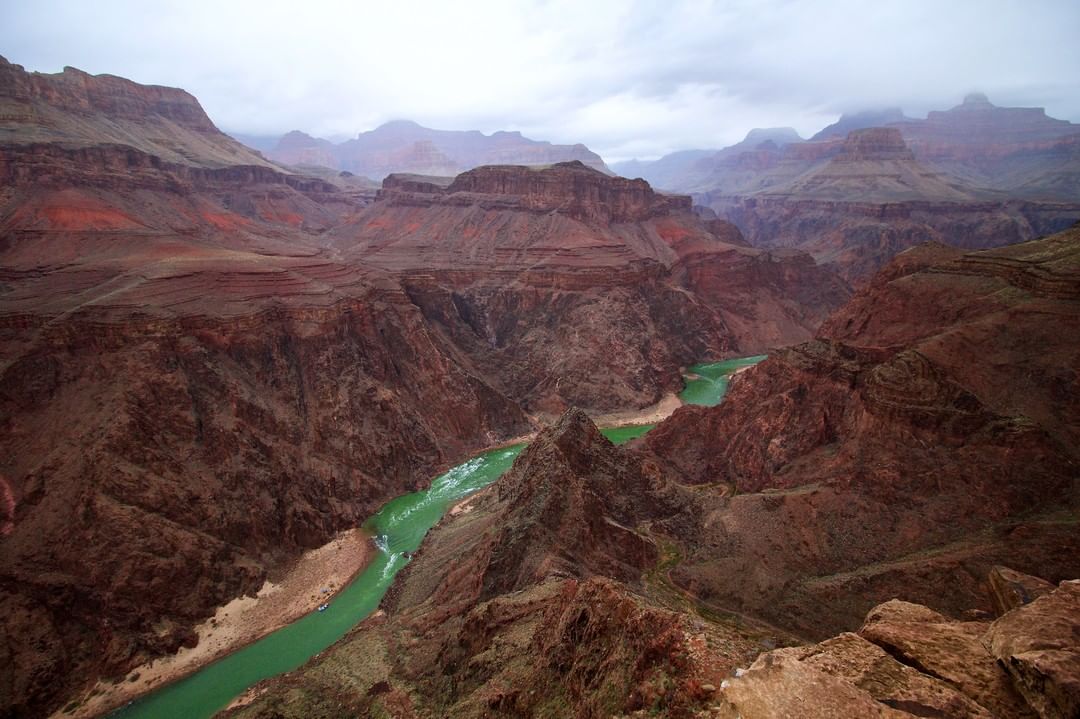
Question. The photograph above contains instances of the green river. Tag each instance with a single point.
(399, 527)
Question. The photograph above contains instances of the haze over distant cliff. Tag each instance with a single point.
(404, 146)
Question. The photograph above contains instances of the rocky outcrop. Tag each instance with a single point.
(402, 146)
(908, 660)
(574, 503)
(1038, 644)
(875, 143)
(951, 650)
(1010, 589)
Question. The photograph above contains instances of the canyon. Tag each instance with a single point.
(214, 360)
(852, 501)
(212, 363)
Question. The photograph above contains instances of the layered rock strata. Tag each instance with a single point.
(568, 287)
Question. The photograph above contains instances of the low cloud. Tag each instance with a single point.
(627, 79)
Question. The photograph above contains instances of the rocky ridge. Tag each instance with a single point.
(76, 109)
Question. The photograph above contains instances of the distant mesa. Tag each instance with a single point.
(570, 188)
(405, 146)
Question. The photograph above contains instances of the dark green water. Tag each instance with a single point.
(399, 527)
(711, 383)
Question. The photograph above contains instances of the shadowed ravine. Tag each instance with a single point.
(399, 528)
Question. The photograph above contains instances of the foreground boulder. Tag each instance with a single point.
(1011, 589)
(908, 660)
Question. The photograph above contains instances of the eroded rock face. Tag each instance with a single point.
(200, 379)
(951, 650)
(206, 452)
(875, 143)
(83, 110)
(573, 189)
(573, 504)
(875, 184)
(872, 198)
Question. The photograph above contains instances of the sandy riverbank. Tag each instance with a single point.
(652, 414)
(243, 621)
(648, 415)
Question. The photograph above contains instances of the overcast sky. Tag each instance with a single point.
(627, 79)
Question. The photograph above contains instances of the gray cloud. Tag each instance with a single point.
(627, 79)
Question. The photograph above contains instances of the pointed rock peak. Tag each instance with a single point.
(574, 431)
(574, 436)
(297, 139)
